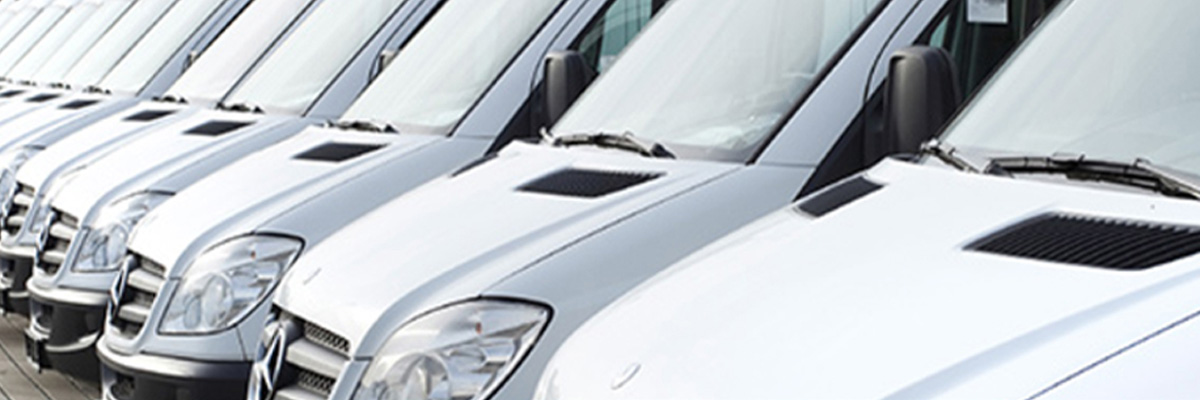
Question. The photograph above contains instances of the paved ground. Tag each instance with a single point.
(19, 380)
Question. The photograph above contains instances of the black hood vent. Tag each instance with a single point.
(1093, 241)
(833, 198)
(587, 183)
(11, 93)
(41, 98)
(337, 152)
(79, 104)
(216, 128)
(149, 115)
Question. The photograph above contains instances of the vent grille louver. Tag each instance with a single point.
(11, 93)
(835, 197)
(43, 98)
(216, 128)
(149, 115)
(337, 152)
(53, 253)
(587, 183)
(78, 104)
(1093, 241)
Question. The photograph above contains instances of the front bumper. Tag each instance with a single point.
(16, 266)
(146, 377)
(62, 334)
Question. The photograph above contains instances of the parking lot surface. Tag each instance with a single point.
(19, 380)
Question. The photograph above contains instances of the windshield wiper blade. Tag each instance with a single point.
(245, 107)
(1140, 173)
(368, 125)
(623, 141)
(954, 157)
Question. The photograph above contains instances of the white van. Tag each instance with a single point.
(717, 114)
(154, 62)
(248, 39)
(299, 191)
(1045, 247)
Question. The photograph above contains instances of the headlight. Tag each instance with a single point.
(103, 247)
(226, 282)
(459, 352)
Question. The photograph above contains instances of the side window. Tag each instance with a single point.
(613, 29)
(980, 42)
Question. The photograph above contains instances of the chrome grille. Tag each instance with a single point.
(63, 228)
(312, 362)
(137, 291)
(18, 210)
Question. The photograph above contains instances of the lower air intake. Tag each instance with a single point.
(1093, 241)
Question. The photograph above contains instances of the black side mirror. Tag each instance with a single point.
(921, 95)
(567, 76)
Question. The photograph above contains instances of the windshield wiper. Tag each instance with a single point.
(172, 98)
(954, 157)
(1140, 173)
(623, 141)
(96, 89)
(245, 107)
(368, 125)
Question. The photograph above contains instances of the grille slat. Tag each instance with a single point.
(17, 211)
(53, 254)
(141, 286)
(1093, 241)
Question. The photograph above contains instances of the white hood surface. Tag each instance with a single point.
(473, 229)
(276, 176)
(880, 299)
(154, 154)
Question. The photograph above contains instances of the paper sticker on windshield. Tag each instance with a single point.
(987, 11)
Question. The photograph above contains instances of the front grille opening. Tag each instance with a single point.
(326, 338)
(587, 183)
(313, 382)
(1099, 242)
(123, 389)
(54, 252)
(134, 297)
(18, 210)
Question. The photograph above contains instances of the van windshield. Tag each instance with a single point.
(33, 33)
(712, 79)
(233, 53)
(113, 45)
(79, 37)
(162, 41)
(18, 22)
(1107, 80)
(292, 78)
(450, 63)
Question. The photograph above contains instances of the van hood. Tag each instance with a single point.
(882, 298)
(32, 121)
(153, 151)
(285, 170)
(473, 229)
(71, 145)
